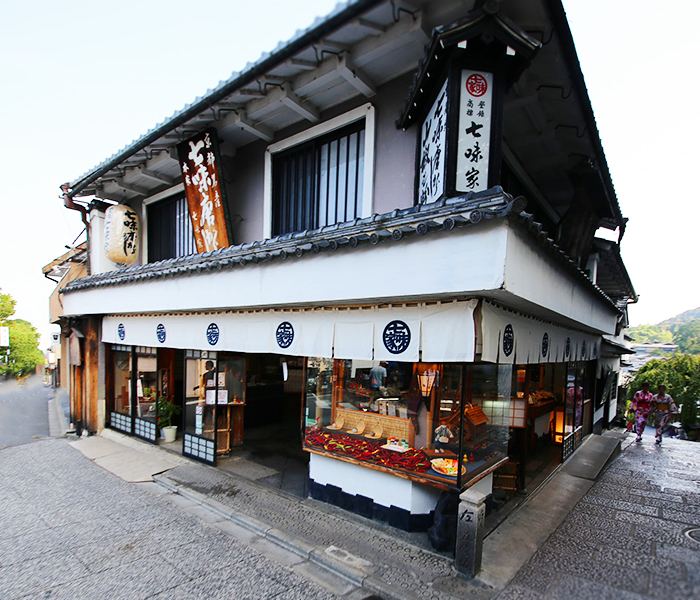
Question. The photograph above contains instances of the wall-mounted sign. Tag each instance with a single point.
(199, 162)
(4, 336)
(433, 151)
(473, 141)
(122, 234)
(160, 333)
(74, 354)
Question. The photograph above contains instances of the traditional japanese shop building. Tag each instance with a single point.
(382, 235)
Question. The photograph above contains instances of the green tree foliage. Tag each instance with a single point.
(688, 337)
(681, 376)
(653, 334)
(24, 342)
(7, 308)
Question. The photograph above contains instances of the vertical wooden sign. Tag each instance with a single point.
(199, 162)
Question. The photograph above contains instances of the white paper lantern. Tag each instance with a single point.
(122, 234)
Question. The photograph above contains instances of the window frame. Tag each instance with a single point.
(366, 112)
(172, 194)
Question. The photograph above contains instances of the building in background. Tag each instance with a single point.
(371, 254)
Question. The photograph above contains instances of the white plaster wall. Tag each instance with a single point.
(533, 276)
(460, 263)
(387, 490)
(484, 486)
(99, 263)
(423, 499)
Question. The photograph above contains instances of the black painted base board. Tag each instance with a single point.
(368, 508)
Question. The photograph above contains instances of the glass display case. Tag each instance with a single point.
(421, 419)
(230, 400)
(146, 393)
(199, 440)
(120, 392)
(121, 381)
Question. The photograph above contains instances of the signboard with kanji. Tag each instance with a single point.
(473, 141)
(199, 162)
(433, 152)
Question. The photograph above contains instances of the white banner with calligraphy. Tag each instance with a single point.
(442, 332)
(510, 337)
(433, 150)
(474, 139)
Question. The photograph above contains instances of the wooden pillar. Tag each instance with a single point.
(91, 374)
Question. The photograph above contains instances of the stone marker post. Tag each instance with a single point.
(470, 532)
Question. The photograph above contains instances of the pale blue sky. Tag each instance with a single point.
(80, 80)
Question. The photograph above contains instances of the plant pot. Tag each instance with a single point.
(169, 433)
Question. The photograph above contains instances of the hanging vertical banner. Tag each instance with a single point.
(473, 142)
(433, 151)
(199, 162)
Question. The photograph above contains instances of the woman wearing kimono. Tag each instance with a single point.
(641, 405)
(664, 407)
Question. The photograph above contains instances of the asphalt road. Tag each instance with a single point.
(24, 415)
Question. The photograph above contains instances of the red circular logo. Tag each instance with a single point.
(476, 85)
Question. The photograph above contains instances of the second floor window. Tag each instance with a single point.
(169, 229)
(319, 182)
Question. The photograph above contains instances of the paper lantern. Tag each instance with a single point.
(122, 234)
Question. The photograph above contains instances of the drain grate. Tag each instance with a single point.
(693, 534)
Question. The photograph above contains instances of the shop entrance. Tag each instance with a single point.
(269, 449)
(547, 423)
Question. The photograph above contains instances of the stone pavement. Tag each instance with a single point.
(71, 530)
(116, 537)
(634, 535)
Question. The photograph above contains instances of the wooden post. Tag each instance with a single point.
(91, 370)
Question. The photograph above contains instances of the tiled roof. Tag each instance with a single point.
(443, 216)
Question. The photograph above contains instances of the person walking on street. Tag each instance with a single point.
(664, 407)
(641, 405)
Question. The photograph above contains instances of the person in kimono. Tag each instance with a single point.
(664, 407)
(641, 405)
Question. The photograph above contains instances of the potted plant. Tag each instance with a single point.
(166, 411)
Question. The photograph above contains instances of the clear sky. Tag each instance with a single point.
(80, 80)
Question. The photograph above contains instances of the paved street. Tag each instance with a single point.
(23, 411)
(72, 530)
(636, 534)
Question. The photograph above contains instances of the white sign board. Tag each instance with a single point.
(4, 336)
(475, 105)
(433, 150)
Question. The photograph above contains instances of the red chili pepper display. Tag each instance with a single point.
(338, 443)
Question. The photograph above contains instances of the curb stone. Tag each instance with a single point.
(315, 555)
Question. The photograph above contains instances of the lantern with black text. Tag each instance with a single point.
(122, 234)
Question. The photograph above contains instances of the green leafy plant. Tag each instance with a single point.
(681, 375)
(166, 411)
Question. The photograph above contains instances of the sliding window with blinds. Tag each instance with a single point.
(170, 229)
(319, 182)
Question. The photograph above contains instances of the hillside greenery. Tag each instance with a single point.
(683, 329)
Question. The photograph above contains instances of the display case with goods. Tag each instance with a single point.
(199, 440)
(416, 420)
